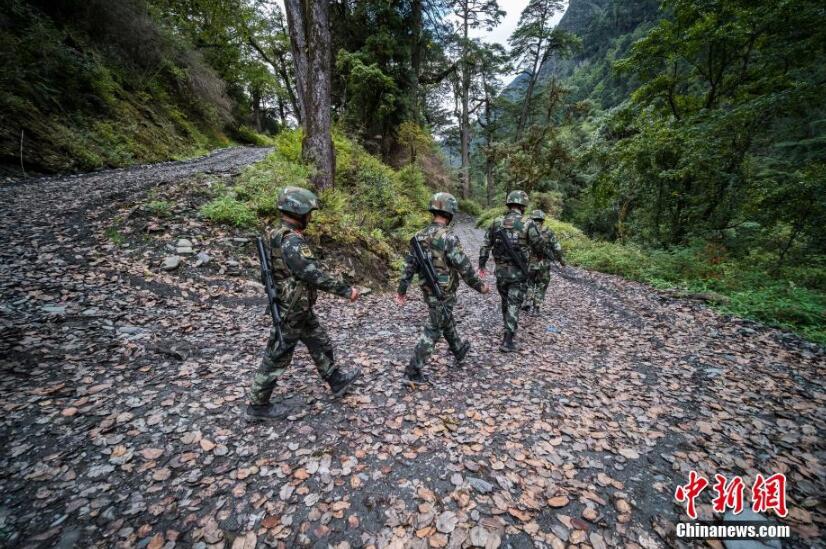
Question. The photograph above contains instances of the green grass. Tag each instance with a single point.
(113, 234)
(372, 209)
(159, 208)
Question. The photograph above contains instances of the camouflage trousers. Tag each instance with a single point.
(305, 328)
(537, 287)
(438, 324)
(512, 294)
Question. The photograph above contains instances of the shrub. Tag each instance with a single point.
(246, 134)
(470, 206)
(372, 207)
(159, 208)
(227, 209)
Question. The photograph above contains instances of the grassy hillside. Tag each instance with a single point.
(365, 219)
(90, 84)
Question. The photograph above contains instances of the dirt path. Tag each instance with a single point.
(124, 384)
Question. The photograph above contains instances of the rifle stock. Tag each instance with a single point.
(269, 287)
(426, 266)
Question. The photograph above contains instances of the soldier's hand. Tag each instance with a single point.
(483, 273)
(354, 293)
(401, 299)
(485, 289)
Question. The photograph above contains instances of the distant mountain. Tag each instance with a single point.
(607, 29)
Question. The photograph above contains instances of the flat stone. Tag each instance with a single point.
(171, 263)
(183, 243)
(184, 250)
(202, 259)
(481, 486)
(54, 309)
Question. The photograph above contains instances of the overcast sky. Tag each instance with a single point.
(513, 9)
(502, 32)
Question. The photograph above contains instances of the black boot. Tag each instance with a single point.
(461, 353)
(413, 375)
(266, 411)
(339, 382)
(508, 346)
(416, 378)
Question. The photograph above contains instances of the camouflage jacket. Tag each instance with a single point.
(552, 251)
(448, 258)
(524, 236)
(296, 272)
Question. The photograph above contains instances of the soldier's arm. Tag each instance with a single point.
(303, 265)
(484, 251)
(555, 247)
(410, 269)
(458, 260)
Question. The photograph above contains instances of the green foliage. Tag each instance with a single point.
(114, 234)
(246, 134)
(486, 217)
(792, 298)
(549, 202)
(415, 139)
(93, 84)
(372, 207)
(470, 206)
(159, 208)
(229, 210)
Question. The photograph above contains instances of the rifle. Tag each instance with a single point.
(430, 277)
(515, 255)
(272, 304)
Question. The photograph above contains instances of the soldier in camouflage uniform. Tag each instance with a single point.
(450, 263)
(511, 280)
(297, 278)
(540, 264)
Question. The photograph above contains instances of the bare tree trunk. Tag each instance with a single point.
(465, 130)
(490, 180)
(309, 25)
(416, 59)
(256, 110)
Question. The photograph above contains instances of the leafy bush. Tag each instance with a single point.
(246, 134)
(470, 206)
(228, 210)
(159, 208)
(486, 217)
(750, 287)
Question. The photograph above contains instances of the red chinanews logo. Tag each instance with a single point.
(766, 494)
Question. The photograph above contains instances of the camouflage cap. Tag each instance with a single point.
(518, 198)
(443, 203)
(538, 215)
(296, 200)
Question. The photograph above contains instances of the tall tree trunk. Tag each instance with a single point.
(281, 114)
(465, 130)
(416, 58)
(490, 181)
(256, 110)
(309, 25)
